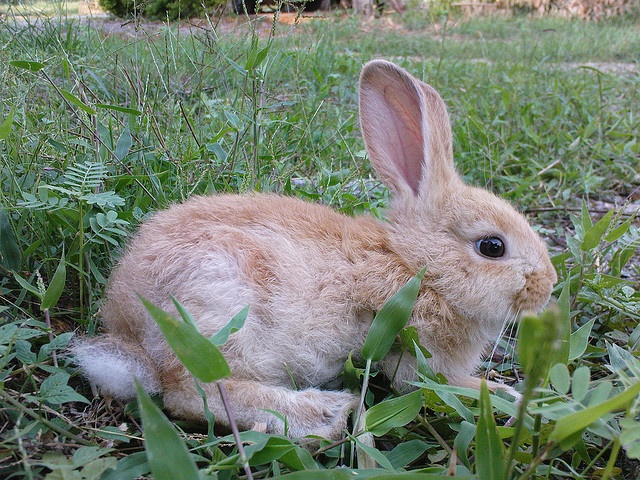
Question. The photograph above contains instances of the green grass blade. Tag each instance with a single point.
(56, 286)
(72, 99)
(116, 108)
(27, 286)
(167, 454)
(235, 324)
(5, 126)
(10, 254)
(201, 357)
(391, 318)
(490, 458)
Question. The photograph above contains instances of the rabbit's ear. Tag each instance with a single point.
(406, 130)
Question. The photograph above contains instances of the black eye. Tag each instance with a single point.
(491, 247)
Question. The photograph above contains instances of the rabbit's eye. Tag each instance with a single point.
(491, 247)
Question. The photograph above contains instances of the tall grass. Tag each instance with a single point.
(98, 130)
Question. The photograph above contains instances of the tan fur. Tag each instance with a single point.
(314, 278)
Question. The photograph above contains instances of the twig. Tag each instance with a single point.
(186, 119)
(425, 423)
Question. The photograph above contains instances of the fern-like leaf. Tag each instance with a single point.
(83, 177)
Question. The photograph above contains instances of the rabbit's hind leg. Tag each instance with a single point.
(308, 412)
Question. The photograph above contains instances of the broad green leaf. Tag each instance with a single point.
(585, 218)
(5, 126)
(130, 467)
(617, 232)
(26, 65)
(85, 455)
(116, 108)
(463, 439)
(167, 453)
(622, 360)
(201, 357)
(283, 450)
(392, 413)
(594, 235)
(575, 422)
(123, 145)
(580, 339)
(351, 376)
(490, 458)
(406, 452)
(10, 254)
(560, 378)
(97, 467)
(235, 324)
(56, 286)
(580, 382)
(54, 390)
(391, 318)
(630, 436)
(256, 59)
(72, 99)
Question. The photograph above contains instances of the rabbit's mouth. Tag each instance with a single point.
(536, 292)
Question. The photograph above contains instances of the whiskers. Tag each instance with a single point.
(502, 352)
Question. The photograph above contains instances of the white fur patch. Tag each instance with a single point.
(114, 372)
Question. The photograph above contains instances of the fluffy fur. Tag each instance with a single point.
(314, 277)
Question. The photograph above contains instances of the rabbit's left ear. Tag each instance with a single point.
(406, 131)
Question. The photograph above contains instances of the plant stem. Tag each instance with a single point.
(608, 471)
(47, 321)
(363, 394)
(535, 441)
(425, 423)
(234, 429)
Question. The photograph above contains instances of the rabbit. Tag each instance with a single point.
(314, 278)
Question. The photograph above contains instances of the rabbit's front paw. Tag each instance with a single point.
(320, 412)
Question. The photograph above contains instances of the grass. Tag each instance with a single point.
(542, 114)
(50, 8)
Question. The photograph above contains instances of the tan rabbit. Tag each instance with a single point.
(314, 277)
